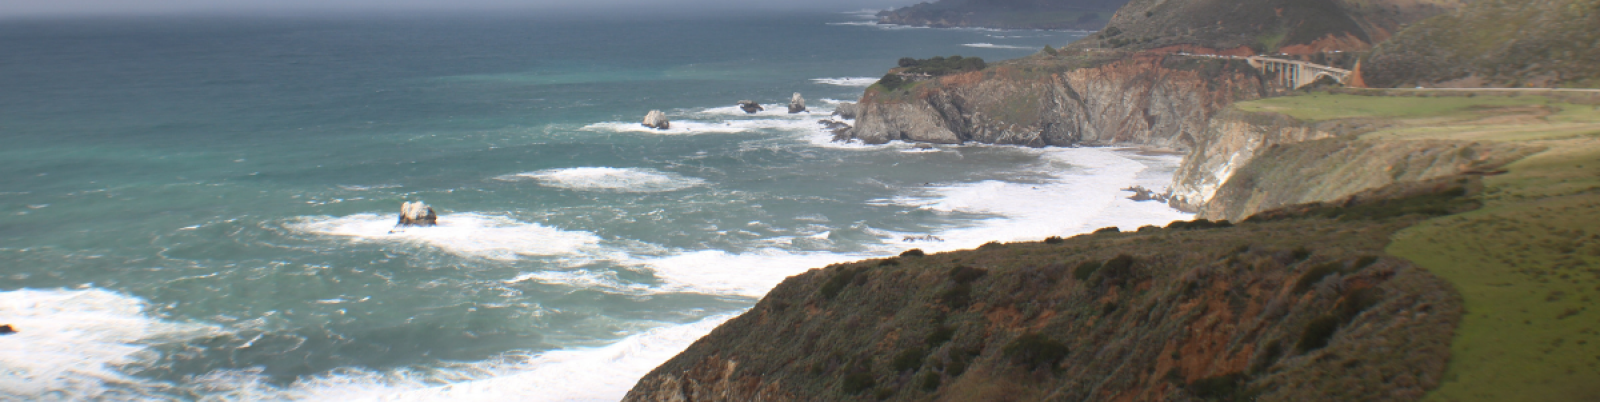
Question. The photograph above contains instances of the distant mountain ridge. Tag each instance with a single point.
(1005, 14)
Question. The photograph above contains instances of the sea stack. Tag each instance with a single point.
(797, 104)
(750, 106)
(417, 214)
(656, 120)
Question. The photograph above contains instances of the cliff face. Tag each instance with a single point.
(1169, 314)
(1070, 98)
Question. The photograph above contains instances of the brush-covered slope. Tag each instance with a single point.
(1495, 43)
(1005, 14)
(1203, 312)
(1261, 26)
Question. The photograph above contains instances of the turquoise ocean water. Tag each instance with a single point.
(203, 208)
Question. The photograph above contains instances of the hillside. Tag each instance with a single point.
(1495, 43)
(1247, 27)
(1180, 314)
(1005, 14)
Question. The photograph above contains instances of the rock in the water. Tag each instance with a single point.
(846, 111)
(797, 104)
(750, 106)
(1144, 194)
(925, 147)
(417, 214)
(656, 120)
(7, 330)
(840, 130)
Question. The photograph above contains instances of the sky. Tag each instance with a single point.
(26, 8)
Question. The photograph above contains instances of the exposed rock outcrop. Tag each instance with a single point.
(1248, 162)
(1079, 98)
(845, 110)
(750, 106)
(7, 330)
(417, 214)
(797, 104)
(657, 120)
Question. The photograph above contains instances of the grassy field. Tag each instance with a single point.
(1528, 262)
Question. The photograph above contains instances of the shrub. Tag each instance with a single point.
(910, 359)
(940, 335)
(837, 282)
(857, 382)
(1267, 357)
(1119, 265)
(1357, 302)
(884, 393)
(1365, 261)
(992, 244)
(929, 381)
(1301, 254)
(1318, 332)
(916, 252)
(1221, 387)
(1315, 275)
(965, 274)
(1108, 229)
(1034, 350)
(1084, 270)
(1054, 240)
(956, 297)
(888, 262)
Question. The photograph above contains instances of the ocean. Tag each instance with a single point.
(203, 208)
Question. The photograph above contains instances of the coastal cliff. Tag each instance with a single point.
(1063, 99)
(1187, 313)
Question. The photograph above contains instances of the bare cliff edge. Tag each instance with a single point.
(1064, 99)
(1188, 313)
(1241, 164)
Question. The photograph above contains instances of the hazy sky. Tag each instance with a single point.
(14, 8)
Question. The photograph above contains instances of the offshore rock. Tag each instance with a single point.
(846, 111)
(797, 104)
(417, 214)
(750, 106)
(7, 330)
(656, 120)
(839, 129)
(1080, 98)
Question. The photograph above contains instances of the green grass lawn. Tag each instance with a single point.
(1528, 262)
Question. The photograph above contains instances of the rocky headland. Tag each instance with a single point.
(1352, 244)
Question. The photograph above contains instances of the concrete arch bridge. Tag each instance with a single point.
(1294, 73)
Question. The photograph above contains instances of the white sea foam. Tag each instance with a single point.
(581, 374)
(860, 82)
(610, 179)
(464, 234)
(994, 46)
(749, 274)
(70, 344)
(1074, 201)
(680, 127)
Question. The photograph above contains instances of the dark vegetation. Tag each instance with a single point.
(1235, 311)
(911, 70)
